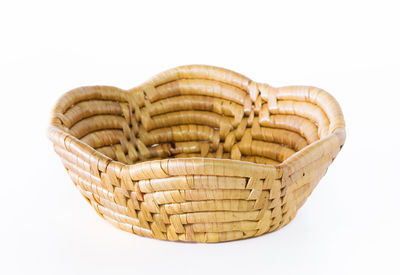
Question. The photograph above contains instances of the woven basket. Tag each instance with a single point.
(197, 153)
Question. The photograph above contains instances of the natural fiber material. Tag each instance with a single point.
(197, 153)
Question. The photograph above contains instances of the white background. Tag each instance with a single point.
(349, 225)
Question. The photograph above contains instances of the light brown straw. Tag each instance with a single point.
(197, 153)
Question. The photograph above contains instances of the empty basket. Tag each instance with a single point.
(197, 153)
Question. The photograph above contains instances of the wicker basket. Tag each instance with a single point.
(197, 153)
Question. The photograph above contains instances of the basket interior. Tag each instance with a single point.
(191, 118)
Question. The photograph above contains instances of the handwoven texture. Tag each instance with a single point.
(197, 153)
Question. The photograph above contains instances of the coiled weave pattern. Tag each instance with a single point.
(197, 153)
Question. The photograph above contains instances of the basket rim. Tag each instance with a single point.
(54, 132)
